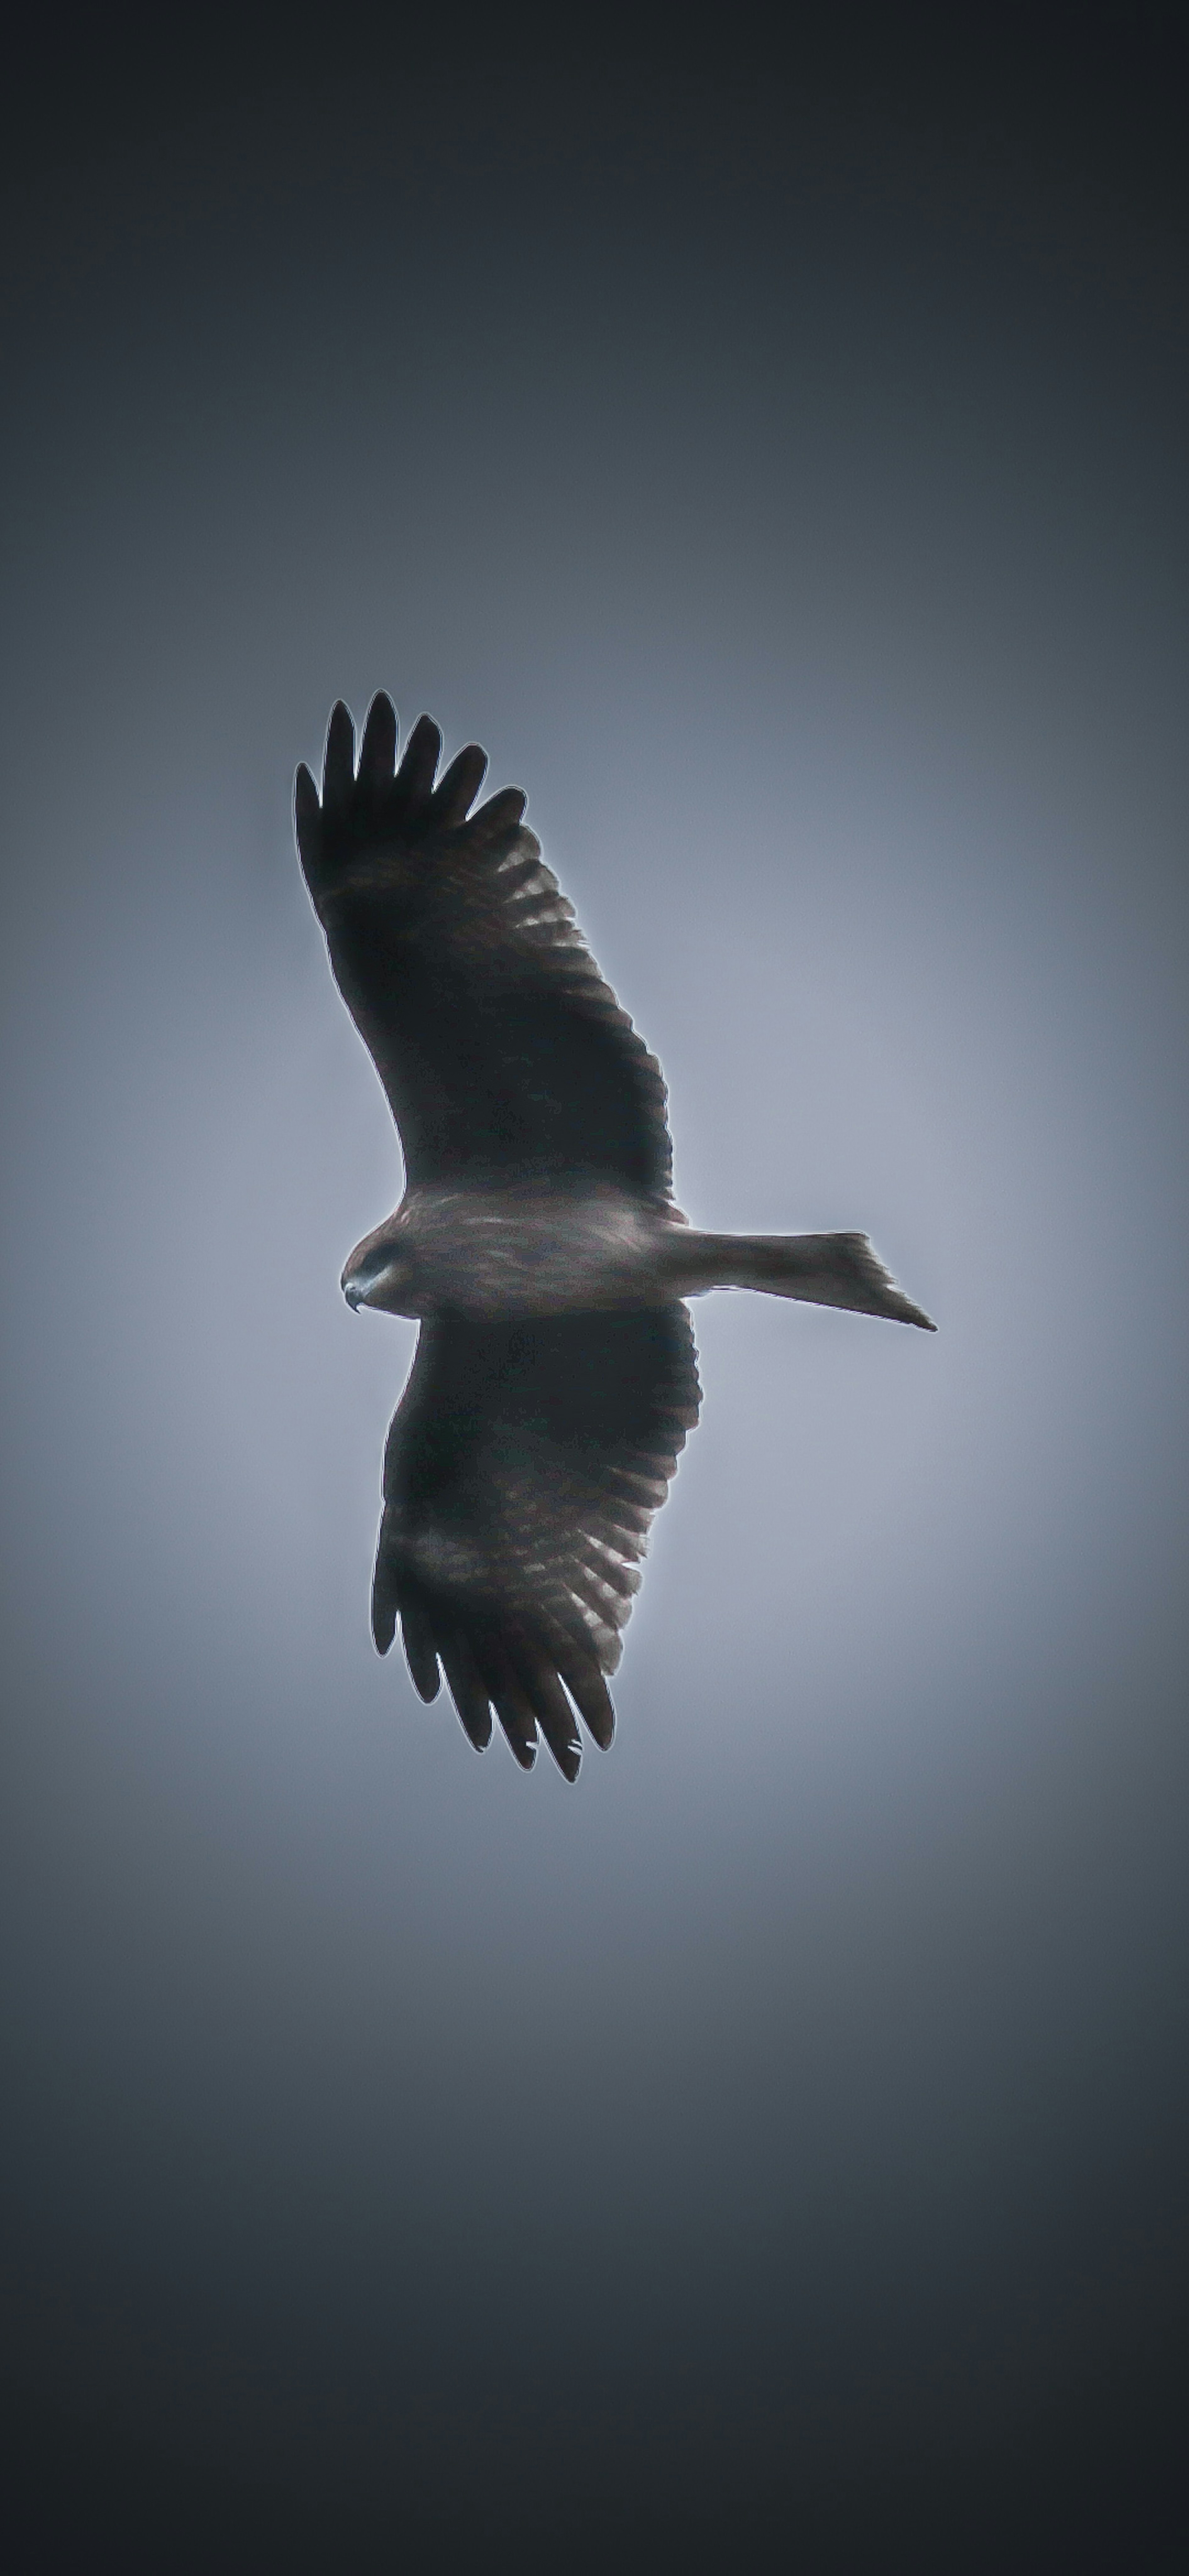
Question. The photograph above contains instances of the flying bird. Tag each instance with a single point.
(537, 1243)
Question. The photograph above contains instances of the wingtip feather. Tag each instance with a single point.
(415, 777)
(420, 1652)
(338, 768)
(377, 752)
(307, 819)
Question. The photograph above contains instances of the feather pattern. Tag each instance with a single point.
(523, 1467)
(503, 1053)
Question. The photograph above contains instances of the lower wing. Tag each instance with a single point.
(523, 1467)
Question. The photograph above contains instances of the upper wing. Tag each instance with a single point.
(523, 1467)
(501, 1049)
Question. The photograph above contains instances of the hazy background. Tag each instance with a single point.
(773, 2148)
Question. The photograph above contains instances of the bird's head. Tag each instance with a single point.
(380, 1271)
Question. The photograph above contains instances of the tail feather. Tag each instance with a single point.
(821, 1269)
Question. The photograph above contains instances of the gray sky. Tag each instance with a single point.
(788, 494)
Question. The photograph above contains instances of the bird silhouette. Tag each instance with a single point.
(555, 1377)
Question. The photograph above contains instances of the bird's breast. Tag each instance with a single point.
(512, 1253)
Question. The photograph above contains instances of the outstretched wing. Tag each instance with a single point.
(523, 1467)
(503, 1053)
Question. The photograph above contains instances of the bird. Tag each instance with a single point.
(537, 1243)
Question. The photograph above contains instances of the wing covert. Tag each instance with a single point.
(523, 1467)
(502, 1052)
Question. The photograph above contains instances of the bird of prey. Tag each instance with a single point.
(537, 1242)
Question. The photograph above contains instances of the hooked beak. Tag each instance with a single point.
(372, 1273)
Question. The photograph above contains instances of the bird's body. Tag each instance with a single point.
(537, 1242)
(556, 1250)
(517, 1251)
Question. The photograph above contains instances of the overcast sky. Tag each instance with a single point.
(783, 479)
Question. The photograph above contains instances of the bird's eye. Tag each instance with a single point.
(382, 1259)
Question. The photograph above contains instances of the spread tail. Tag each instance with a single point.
(822, 1269)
